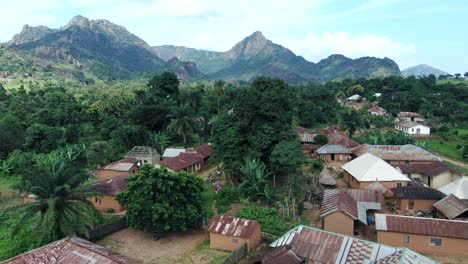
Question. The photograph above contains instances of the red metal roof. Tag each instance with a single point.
(423, 226)
(71, 250)
(283, 255)
(427, 168)
(376, 109)
(369, 196)
(204, 150)
(451, 206)
(232, 226)
(410, 114)
(111, 186)
(337, 200)
(181, 161)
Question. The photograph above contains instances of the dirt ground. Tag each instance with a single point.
(174, 248)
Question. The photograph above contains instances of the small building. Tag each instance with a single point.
(326, 179)
(452, 207)
(342, 210)
(313, 245)
(396, 154)
(355, 98)
(410, 117)
(310, 150)
(364, 170)
(144, 154)
(413, 128)
(378, 111)
(125, 167)
(230, 233)
(378, 187)
(172, 152)
(434, 174)
(426, 235)
(334, 152)
(190, 160)
(108, 190)
(416, 198)
(72, 250)
(28, 197)
(459, 188)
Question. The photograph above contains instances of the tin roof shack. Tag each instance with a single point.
(427, 235)
(344, 210)
(377, 110)
(434, 174)
(318, 246)
(191, 160)
(411, 117)
(71, 250)
(416, 198)
(366, 169)
(459, 188)
(125, 167)
(144, 154)
(413, 128)
(452, 207)
(230, 233)
(108, 190)
(334, 152)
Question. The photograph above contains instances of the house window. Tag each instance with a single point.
(97, 200)
(411, 204)
(399, 184)
(234, 241)
(435, 241)
(406, 239)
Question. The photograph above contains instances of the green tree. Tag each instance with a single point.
(254, 180)
(287, 156)
(182, 123)
(219, 91)
(160, 141)
(466, 74)
(161, 202)
(457, 75)
(321, 139)
(62, 205)
(44, 138)
(165, 85)
(351, 121)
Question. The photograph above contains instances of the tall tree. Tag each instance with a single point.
(161, 202)
(165, 85)
(182, 122)
(351, 121)
(160, 141)
(254, 181)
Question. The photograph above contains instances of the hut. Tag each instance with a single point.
(377, 186)
(326, 178)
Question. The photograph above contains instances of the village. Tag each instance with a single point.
(372, 204)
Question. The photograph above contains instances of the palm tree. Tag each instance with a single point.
(351, 121)
(183, 124)
(160, 141)
(61, 197)
(254, 182)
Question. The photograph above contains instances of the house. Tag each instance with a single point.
(229, 233)
(342, 208)
(309, 147)
(394, 154)
(364, 170)
(326, 179)
(107, 191)
(334, 152)
(413, 128)
(355, 98)
(144, 154)
(452, 207)
(410, 117)
(313, 245)
(72, 250)
(172, 152)
(426, 235)
(416, 198)
(378, 111)
(434, 174)
(284, 254)
(28, 197)
(191, 160)
(378, 187)
(125, 167)
(459, 188)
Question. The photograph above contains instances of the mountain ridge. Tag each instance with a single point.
(422, 70)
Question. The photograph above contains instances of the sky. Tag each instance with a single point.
(432, 32)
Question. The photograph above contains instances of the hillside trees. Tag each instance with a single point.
(160, 201)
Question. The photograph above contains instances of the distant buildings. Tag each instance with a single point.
(230, 233)
(410, 117)
(108, 190)
(125, 167)
(413, 128)
(189, 160)
(416, 198)
(378, 111)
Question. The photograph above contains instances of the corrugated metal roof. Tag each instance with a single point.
(172, 152)
(333, 149)
(376, 109)
(422, 226)
(120, 165)
(283, 255)
(319, 246)
(451, 206)
(111, 186)
(459, 188)
(368, 168)
(410, 114)
(72, 250)
(406, 152)
(377, 186)
(427, 168)
(409, 124)
(232, 226)
(417, 192)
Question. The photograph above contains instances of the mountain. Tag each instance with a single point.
(86, 50)
(255, 55)
(422, 70)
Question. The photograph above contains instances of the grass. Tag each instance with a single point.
(456, 166)
(446, 148)
(204, 245)
(6, 185)
(208, 197)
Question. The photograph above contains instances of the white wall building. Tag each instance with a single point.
(413, 128)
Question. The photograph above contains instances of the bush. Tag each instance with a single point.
(271, 222)
(110, 211)
(225, 197)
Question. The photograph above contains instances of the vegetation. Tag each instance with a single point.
(160, 202)
(271, 222)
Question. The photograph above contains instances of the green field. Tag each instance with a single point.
(453, 81)
(447, 143)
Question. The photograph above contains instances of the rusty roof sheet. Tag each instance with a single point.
(417, 192)
(319, 246)
(111, 186)
(410, 114)
(376, 109)
(451, 206)
(422, 226)
(283, 255)
(232, 226)
(333, 149)
(307, 137)
(301, 129)
(71, 250)
(337, 200)
(434, 168)
(409, 124)
(406, 152)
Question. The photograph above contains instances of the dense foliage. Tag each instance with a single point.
(160, 201)
(271, 222)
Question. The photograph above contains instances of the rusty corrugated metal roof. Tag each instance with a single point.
(410, 114)
(417, 192)
(338, 200)
(232, 226)
(422, 226)
(283, 255)
(406, 152)
(451, 206)
(111, 186)
(71, 250)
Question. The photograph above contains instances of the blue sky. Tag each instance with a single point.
(410, 32)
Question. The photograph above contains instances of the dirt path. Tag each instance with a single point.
(456, 162)
(210, 171)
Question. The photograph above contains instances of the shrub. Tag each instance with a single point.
(225, 197)
(271, 222)
(110, 211)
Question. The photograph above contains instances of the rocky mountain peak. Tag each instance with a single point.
(250, 46)
(79, 21)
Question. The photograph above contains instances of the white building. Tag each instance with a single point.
(413, 128)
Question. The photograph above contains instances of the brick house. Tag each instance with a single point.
(413, 128)
(366, 169)
(410, 117)
(452, 207)
(190, 160)
(426, 235)
(416, 198)
(229, 233)
(125, 167)
(378, 111)
(108, 189)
